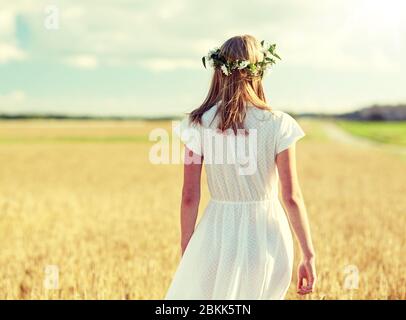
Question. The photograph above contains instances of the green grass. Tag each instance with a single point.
(384, 132)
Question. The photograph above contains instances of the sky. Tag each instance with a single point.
(132, 57)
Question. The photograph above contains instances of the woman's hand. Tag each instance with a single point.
(306, 276)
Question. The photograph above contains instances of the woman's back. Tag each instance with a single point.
(242, 167)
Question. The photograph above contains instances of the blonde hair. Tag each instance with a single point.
(232, 93)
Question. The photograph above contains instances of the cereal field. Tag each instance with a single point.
(85, 215)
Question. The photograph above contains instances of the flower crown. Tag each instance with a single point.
(216, 60)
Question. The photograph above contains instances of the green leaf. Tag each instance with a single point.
(204, 62)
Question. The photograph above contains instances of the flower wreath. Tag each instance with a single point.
(216, 60)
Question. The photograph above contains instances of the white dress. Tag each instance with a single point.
(242, 246)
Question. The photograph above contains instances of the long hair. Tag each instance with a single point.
(232, 93)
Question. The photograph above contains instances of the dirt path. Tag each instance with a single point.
(338, 134)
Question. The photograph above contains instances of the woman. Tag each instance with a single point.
(242, 247)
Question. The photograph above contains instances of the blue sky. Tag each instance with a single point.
(131, 57)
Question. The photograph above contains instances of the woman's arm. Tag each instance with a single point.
(190, 195)
(296, 209)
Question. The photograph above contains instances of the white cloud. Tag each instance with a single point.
(12, 98)
(8, 49)
(83, 61)
(170, 9)
(165, 64)
(72, 13)
(202, 46)
(9, 52)
(6, 23)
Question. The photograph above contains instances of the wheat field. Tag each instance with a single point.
(81, 203)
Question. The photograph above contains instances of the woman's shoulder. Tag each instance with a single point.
(275, 120)
(281, 115)
(268, 114)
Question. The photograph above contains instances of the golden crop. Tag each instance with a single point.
(84, 198)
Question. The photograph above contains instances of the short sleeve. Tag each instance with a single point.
(289, 132)
(190, 135)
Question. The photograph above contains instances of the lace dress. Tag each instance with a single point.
(242, 246)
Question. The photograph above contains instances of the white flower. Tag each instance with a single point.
(225, 70)
(265, 49)
(243, 64)
(213, 51)
(209, 60)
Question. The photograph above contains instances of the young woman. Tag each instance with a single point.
(242, 247)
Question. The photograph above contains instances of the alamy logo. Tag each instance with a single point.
(51, 277)
(351, 279)
(51, 21)
(239, 149)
